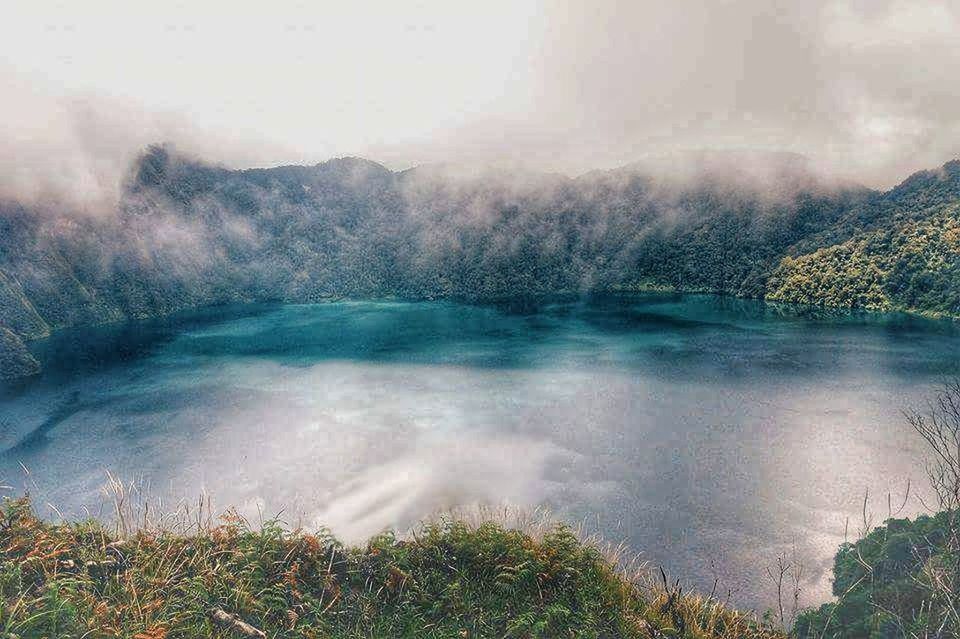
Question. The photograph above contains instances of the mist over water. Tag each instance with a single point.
(709, 433)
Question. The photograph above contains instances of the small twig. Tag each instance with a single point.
(236, 624)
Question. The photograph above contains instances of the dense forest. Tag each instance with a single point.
(902, 253)
(186, 234)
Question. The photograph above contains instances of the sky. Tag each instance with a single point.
(865, 88)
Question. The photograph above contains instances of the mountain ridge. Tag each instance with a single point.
(186, 234)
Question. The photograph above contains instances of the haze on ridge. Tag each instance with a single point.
(864, 89)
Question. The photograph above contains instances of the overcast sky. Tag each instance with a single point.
(868, 88)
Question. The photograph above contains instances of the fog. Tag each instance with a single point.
(861, 87)
(865, 89)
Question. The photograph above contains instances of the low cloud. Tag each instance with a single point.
(74, 151)
(866, 90)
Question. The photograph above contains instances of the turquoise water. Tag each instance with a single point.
(710, 434)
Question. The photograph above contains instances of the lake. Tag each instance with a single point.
(709, 433)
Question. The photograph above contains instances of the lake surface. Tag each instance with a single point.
(709, 433)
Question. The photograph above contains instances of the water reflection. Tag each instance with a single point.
(711, 433)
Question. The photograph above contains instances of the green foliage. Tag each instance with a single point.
(913, 266)
(450, 580)
(844, 276)
(882, 585)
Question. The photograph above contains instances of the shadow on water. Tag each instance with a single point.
(674, 333)
(77, 351)
(36, 438)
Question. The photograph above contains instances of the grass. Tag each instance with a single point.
(450, 578)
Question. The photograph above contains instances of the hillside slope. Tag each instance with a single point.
(912, 264)
(902, 252)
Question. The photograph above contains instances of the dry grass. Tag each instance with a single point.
(483, 573)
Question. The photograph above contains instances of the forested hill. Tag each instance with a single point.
(187, 234)
(899, 252)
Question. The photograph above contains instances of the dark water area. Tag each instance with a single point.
(709, 433)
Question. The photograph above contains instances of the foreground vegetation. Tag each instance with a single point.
(901, 580)
(450, 579)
